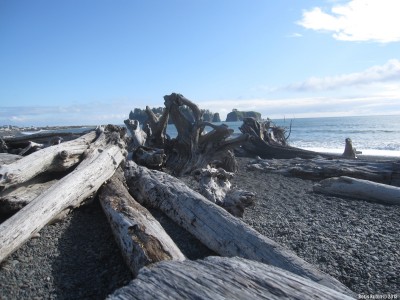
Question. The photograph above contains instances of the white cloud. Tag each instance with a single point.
(388, 72)
(357, 20)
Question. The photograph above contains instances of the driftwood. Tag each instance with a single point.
(100, 163)
(32, 147)
(6, 158)
(156, 127)
(214, 226)
(152, 158)
(137, 134)
(192, 148)
(321, 168)
(221, 278)
(139, 235)
(269, 141)
(349, 150)
(55, 158)
(13, 199)
(359, 189)
(214, 184)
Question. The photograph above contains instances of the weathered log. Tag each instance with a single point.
(14, 199)
(149, 157)
(55, 158)
(321, 168)
(6, 158)
(157, 127)
(139, 235)
(213, 226)
(137, 134)
(221, 278)
(100, 163)
(359, 189)
(214, 184)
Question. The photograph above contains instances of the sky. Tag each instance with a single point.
(91, 62)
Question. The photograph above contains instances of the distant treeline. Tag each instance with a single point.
(208, 116)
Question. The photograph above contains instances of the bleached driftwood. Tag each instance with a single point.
(6, 158)
(13, 199)
(137, 134)
(139, 235)
(103, 158)
(214, 226)
(54, 158)
(31, 147)
(321, 168)
(360, 189)
(214, 184)
(221, 278)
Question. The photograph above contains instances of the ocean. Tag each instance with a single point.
(373, 135)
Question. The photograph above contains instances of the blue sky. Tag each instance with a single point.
(91, 62)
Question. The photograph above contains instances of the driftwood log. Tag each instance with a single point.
(320, 168)
(359, 189)
(100, 163)
(213, 226)
(221, 278)
(7, 158)
(139, 235)
(55, 158)
(214, 184)
(137, 134)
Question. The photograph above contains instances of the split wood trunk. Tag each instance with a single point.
(101, 161)
(221, 278)
(139, 235)
(213, 226)
(359, 189)
(54, 158)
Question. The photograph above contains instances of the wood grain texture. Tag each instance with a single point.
(221, 278)
(139, 235)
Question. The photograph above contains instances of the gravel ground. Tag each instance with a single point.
(355, 241)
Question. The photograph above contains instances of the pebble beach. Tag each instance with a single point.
(355, 241)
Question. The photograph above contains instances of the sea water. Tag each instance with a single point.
(372, 135)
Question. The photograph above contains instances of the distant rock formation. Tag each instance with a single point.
(236, 115)
(216, 118)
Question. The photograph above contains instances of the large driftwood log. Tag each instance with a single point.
(359, 189)
(321, 168)
(13, 199)
(213, 226)
(102, 159)
(221, 278)
(157, 127)
(55, 158)
(139, 235)
(214, 184)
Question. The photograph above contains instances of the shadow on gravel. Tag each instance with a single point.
(89, 265)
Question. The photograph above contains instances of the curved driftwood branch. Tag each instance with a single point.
(359, 189)
(222, 278)
(140, 237)
(100, 163)
(213, 226)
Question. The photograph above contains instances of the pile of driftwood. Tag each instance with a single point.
(251, 265)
